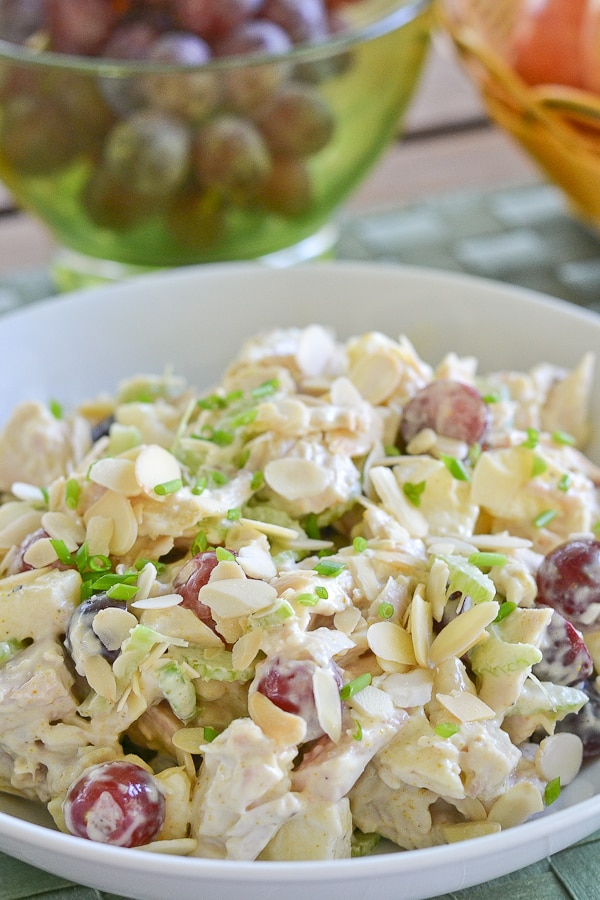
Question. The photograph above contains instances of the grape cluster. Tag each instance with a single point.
(188, 146)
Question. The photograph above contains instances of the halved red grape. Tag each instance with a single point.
(188, 581)
(568, 580)
(566, 658)
(116, 803)
(450, 408)
(288, 683)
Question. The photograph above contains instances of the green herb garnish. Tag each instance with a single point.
(356, 685)
(413, 492)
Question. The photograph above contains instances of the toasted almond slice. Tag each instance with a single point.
(376, 376)
(145, 582)
(435, 589)
(280, 532)
(112, 626)
(463, 632)
(182, 624)
(64, 528)
(14, 530)
(500, 541)
(117, 508)
(421, 626)
(328, 703)
(98, 534)
(100, 677)
(344, 393)
(396, 504)
(516, 805)
(232, 597)
(464, 831)
(373, 702)
(40, 554)
(164, 601)
(189, 739)
(296, 479)
(559, 756)
(315, 349)
(154, 465)
(422, 442)
(117, 474)
(347, 619)
(465, 706)
(246, 648)
(391, 642)
(285, 728)
(225, 570)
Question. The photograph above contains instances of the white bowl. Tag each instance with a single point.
(74, 347)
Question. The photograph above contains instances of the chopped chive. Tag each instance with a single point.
(413, 492)
(545, 518)
(539, 466)
(321, 592)
(386, 610)
(210, 733)
(552, 791)
(62, 551)
(257, 481)
(307, 599)
(266, 389)
(224, 555)
(122, 591)
(456, 467)
(234, 396)
(199, 485)
(219, 478)
(99, 563)
(56, 409)
(562, 437)
(242, 458)
(474, 453)
(311, 526)
(484, 560)
(358, 733)
(446, 729)
(143, 561)
(200, 543)
(532, 439)
(494, 397)
(219, 436)
(564, 482)
(360, 544)
(45, 495)
(212, 401)
(391, 450)
(234, 514)
(168, 487)
(72, 493)
(505, 610)
(244, 418)
(110, 580)
(355, 686)
(328, 567)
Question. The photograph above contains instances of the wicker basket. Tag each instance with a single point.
(558, 126)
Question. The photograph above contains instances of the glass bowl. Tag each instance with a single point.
(136, 164)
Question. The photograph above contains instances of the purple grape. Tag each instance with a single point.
(566, 658)
(568, 580)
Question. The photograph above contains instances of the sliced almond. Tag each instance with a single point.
(164, 601)
(328, 703)
(145, 582)
(64, 528)
(280, 532)
(225, 570)
(559, 756)
(344, 393)
(391, 642)
(297, 479)
(373, 702)
(40, 554)
(117, 508)
(435, 589)
(463, 632)
(98, 534)
(234, 597)
(182, 624)
(285, 728)
(154, 465)
(113, 625)
(100, 677)
(14, 530)
(421, 626)
(376, 376)
(246, 648)
(347, 619)
(189, 739)
(410, 689)
(465, 707)
(516, 805)
(117, 474)
(316, 348)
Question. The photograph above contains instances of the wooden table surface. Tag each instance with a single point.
(448, 144)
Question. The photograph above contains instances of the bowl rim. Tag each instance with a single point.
(398, 14)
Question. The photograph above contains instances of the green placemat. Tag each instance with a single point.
(520, 235)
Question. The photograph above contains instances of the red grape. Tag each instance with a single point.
(81, 640)
(212, 19)
(288, 683)
(568, 580)
(450, 408)
(230, 153)
(585, 723)
(288, 189)
(566, 658)
(79, 26)
(303, 20)
(296, 121)
(115, 803)
(188, 581)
